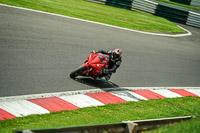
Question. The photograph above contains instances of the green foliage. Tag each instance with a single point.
(112, 113)
(100, 13)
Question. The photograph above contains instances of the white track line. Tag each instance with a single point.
(148, 33)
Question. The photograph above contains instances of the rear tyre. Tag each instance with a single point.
(78, 71)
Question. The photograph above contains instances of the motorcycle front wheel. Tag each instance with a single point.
(78, 71)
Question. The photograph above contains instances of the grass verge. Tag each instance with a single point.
(112, 113)
(189, 126)
(100, 13)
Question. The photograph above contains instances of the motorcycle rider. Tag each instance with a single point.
(114, 61)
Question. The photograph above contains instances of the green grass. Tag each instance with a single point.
(112, 113)
(189, 126)
(181, 5)
(101, 13)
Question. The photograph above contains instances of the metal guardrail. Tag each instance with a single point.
(195, 3)
(167, 11)
(172, 13)
(188, 2)
(126, 4)
(124, 127)
(144, 5)
(193, 19)
(98, 1)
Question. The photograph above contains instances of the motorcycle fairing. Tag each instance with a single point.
(95, 63)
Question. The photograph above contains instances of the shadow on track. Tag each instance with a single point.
(98, 83)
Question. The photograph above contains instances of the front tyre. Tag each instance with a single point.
(78, 71)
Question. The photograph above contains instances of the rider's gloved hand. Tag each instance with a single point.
(105, 71)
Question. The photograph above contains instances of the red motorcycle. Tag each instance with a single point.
(93, 66)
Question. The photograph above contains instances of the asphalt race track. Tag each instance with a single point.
(38, 51)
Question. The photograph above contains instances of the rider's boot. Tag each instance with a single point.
(107, 77)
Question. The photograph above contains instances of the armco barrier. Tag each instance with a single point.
(195, 3)
(98, 1)
(126, 4)
(144, 5)
(193, 19)
(124, 127)
(167, 11)
(188, 2)
(172, 13)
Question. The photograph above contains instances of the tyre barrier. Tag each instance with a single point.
(170, 12)
(188, 2)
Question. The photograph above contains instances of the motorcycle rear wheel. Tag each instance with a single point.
(78, 71)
